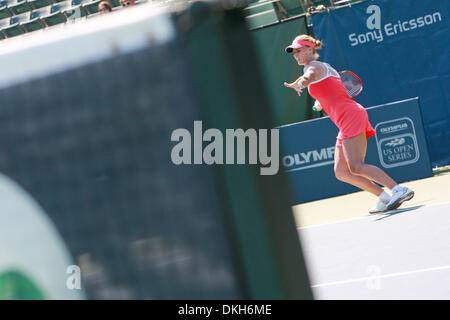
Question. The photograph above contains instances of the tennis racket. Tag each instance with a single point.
(352, 84)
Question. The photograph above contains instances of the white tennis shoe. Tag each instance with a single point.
(399, 195)
(381, 206)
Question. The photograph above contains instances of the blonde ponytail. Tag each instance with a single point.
(317, 43)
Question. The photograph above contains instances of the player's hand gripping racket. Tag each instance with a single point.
(352, 84)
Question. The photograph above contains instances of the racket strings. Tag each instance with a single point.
(353, 90)
(352, 85)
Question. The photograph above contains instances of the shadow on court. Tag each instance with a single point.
(393, 213)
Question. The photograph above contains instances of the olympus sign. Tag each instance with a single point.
(309, 159)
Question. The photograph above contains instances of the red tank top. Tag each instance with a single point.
(333, 97)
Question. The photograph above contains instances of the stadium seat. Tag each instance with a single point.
(57, 15)
(77, 10)
(37, 4)
(260, 13)
(76, 3)
(35, 22)
(258, 7)
(21, 16)
(4, 10)
(92, 6)
(4, 23)
(326, 3)
(18, 19)
(19, 6)
(15, 27)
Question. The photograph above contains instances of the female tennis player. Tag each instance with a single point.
(324, 84)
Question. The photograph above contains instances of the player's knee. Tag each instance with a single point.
(356, 167)
(342, 174)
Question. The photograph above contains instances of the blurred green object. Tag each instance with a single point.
(15, 285)
(228, 79)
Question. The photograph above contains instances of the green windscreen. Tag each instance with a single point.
(91, 144)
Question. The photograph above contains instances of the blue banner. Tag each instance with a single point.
(399, 49)
(398, 147)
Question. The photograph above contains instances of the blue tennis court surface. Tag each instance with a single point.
(400, 255)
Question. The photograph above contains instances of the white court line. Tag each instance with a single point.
(389, 275)
(378, 215)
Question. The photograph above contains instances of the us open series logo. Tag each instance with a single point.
(397, 142)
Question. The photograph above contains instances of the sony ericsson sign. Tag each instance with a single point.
(378, 31)
(397, 142)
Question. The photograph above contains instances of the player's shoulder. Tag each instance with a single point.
(317, 68)
(315, 65)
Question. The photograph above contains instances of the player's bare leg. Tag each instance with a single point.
(355, 152)
(343, 173)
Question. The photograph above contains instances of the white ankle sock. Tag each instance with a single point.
(384, 196)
